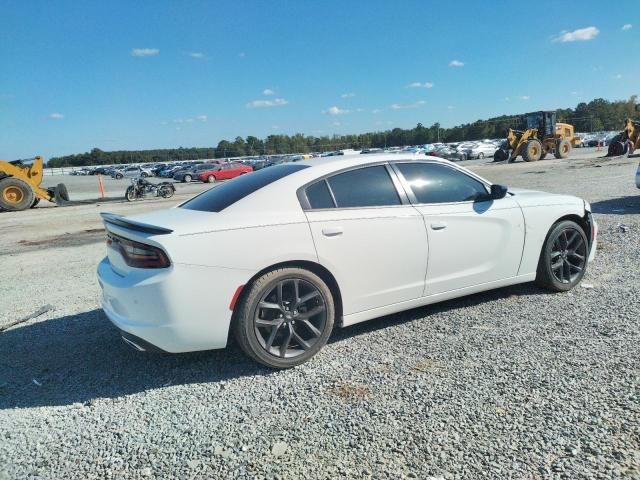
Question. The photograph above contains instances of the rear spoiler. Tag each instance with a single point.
(121, 221)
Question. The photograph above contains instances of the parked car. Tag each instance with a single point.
(192, 172)
(480, 151)
(638, 177)
(330, 242)
(226, 171)
(132, 172)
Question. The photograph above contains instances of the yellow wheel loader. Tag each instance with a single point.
(627, 141)
(542, 136)
(20, 186)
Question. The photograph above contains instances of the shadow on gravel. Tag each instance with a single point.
(80, 357)
(629, 205)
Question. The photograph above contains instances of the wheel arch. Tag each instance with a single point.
(583, 222)
(314, 267)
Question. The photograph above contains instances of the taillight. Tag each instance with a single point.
(136, 254)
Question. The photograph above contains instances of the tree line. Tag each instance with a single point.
(597, 115)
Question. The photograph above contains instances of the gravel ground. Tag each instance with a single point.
(514, 383)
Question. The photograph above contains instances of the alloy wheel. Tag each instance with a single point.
(568, 255)
(290, 318)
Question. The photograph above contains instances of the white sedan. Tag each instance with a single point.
(279, 257)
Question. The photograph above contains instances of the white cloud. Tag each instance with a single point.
(451, 107)
(202, 118)
(268, 91)
(397, 106)
(56, 116)
(276, 102)
(524, 97)
(420, 85)
(336, 111)
(196, 55)
(348, 95)
(456, 63)
(376, 110)
(336, 124)
(627, 26)
(575, 93)
(579, 35)
(618, 76)
(144, 52)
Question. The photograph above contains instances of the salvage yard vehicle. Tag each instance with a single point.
(542, 136)
(141, 188)
(189, 173)
(342, 240)
(226, 171)
(20, 186)
(132, 172)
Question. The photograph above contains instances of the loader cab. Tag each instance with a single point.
(545, 122)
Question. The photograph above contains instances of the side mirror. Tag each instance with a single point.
(498, 192)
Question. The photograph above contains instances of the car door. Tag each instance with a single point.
(369, 236)
(473, 240)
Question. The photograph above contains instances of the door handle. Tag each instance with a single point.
(438, 226)
(332, 231)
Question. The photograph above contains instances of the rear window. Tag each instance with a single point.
(218, 198)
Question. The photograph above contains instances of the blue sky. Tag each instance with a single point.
(161, 74)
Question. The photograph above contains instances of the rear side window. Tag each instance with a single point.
(434, 183)
(364, 187)
(218, 198)
(319, 196)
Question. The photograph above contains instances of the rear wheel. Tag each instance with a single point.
(119, 176)
(532, 151)
(186, 178)
(211, 179)
(166, 192)
(480, 156)
(563, 260)
(15, 194)
(563, 148)
(285, 318)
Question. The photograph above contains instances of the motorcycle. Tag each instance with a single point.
(141, 188)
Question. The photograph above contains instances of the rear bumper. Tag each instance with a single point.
(157, 307)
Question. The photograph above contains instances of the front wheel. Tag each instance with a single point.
(480, 156)
(186, 179)
(285, 317)
(563, 260)
(211, 179)
(130, 194)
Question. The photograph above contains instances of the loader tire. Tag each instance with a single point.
(15, 194)
(63, 193)
(532, 151)
(500, 155)
(563, 149)
(616, 148)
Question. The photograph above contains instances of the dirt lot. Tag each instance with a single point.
(508, 384)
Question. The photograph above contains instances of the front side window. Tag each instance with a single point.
(434, 183)
(364, 187)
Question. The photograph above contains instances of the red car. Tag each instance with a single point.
(225, 172)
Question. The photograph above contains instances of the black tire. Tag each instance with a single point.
(616, 149)
(280, 321)
(532, 151)
(563, 149)
(130, 194)
(36, 201)
(186, 179)
(211, 179)
(166, 192)
(480, 156)
(566, 245)
(144, 174)
(500, 155)
(119, 176)
(15, 194)
(62, 191)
